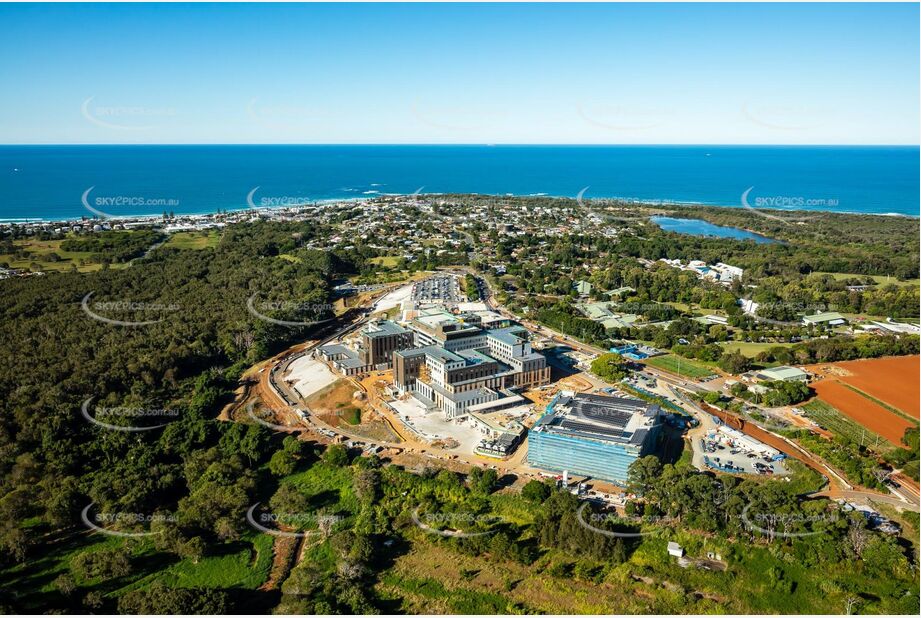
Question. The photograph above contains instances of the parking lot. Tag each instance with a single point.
(437, 290)
(727, 458)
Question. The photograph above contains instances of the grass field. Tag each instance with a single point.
(194, 240)
(42, 251)
(326, 486)
(879, 279)
(244, 564)
(290, 258)
(681, 366)
(432, 578)
(751, 349)
(387, 261)
(829, 417)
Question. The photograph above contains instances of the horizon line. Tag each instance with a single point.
(487, 144)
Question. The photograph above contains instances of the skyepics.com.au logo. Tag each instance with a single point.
(102, 311)
(110, 203)
(127, 414)
(265, 412)
(785, 525)
(125, 117)
(286, 115)
(784, 117)
(605, 523)
(623, 117)
(107, 522)
(785, 202)
(276, 201)
(302, 524)
(786, 314)
(458, 525)
(314, 311)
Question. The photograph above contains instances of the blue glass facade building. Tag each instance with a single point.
(593, 435)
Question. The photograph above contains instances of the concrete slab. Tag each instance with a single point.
(431, 425)
(308, 376)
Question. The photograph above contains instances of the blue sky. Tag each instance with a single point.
(411, 73)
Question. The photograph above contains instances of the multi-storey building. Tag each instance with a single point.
(459, 364)
(593, 435)
(378, 340)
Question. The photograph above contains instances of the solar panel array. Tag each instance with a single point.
(570, 424)
(607, 415)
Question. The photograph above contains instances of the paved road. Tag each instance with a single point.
(866, 497)
(838, 481)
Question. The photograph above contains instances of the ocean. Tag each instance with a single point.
(64, 182)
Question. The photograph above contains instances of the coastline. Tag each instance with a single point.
(628, 201)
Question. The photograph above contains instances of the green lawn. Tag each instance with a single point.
(42, 251)
(387, 261)
(751, 349)
(879, 279)
(194, 240)
(243, 564)
(681, 366)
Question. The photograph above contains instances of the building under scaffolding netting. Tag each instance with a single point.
(593, 435)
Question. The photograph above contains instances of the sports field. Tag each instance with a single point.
(194, 240)
(681, 366)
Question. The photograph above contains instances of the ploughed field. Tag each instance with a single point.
(881, 394)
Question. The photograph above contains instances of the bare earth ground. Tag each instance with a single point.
(865, 411)
(892, 379)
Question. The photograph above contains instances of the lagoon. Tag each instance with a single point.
(697, 227)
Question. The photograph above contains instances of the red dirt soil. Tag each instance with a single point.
(866, 412)
(893, 379)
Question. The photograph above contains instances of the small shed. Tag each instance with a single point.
(675, 550)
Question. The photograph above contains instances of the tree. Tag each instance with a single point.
(366, 482)
(482, 481)
(643, 474)
(65, 584)
(104, 564)
(610, 367)
(159, 599)
(536, 491)
(336, 455)
(735, 362)
(282, 463)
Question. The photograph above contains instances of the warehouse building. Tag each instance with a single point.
(593, 435)
(781, 374)
(828, 318)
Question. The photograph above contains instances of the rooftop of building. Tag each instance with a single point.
(828, 316)
(511, 335)
(337, 348)
(782, 373)
(436, 352)
(619, 420)
(382, 328)
(433, 320)
(474, 357)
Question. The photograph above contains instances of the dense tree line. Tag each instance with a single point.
(56, 357)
